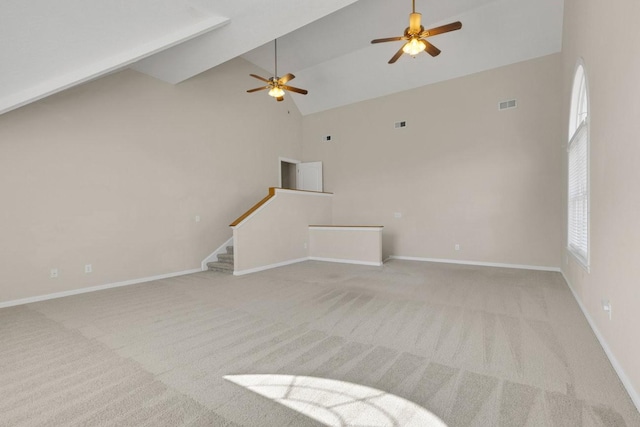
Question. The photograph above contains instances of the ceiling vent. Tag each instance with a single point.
(399, 125)
(506, 105)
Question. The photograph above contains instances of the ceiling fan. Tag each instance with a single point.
(277, 85)
(415, 36)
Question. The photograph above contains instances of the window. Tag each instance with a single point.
(578, 185)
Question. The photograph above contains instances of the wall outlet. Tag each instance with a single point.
(606, 306)
(327, 138)
(397, 215)
(88, 268)
(54, 273)
(457, 247)
(197, 218)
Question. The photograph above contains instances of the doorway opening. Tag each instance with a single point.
(296, 175)
(288, 173)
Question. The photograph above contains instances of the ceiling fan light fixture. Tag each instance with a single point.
(277, 85)
(414, 46)
(415, 35)
(276, 92)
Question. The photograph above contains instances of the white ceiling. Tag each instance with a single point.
(51, 46)
(334, 59)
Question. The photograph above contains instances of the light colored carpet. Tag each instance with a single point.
(313, 344)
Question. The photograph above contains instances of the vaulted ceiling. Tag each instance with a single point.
(49, 46)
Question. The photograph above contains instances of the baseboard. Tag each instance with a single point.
(213, 256)
(269, 267)
(345, 261)
(94, 288)
(626, 382)
(480, 263)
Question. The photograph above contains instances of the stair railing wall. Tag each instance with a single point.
(276, 231)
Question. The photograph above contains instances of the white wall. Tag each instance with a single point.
(113, 173)
(605, 35)
(278, 232)
(352, 245)
(460, 172)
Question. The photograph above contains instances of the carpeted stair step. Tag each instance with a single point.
(223, 267)
(226, 258)
(224, 263)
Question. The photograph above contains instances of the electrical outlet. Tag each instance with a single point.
(197, 218)
(54, 273)
(397, 215)
(457, 247)
(305, 245)
(606, 306)
(88, 268)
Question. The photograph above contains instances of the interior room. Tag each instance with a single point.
(277, 213)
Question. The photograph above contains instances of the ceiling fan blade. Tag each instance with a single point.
(287, 77)
(280, 98)
(443, 29)
(259, 78)
(431, 49)
(294, 89)
(389, 39)
(257, 89)
(398, 54)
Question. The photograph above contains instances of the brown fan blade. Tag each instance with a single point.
(259, 78)
(398, 54)
(258, 88)
(294, 89)
(389, 39)
(287, 77)
(280, 98)
(431, 49)
(440, 30)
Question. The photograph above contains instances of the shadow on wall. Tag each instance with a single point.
(338, 403)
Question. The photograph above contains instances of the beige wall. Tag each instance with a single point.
(460, 172)
(112, 173)
(612, 64)
(279, 231)
(352, 245)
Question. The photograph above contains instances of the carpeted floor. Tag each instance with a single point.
(313, 344)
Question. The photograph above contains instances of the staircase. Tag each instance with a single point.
(224, 263)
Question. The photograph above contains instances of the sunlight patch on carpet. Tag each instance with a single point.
(338, 403)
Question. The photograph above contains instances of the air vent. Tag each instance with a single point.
(399, 125)
(506, 105)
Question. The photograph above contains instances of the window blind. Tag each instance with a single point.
(578, 194)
